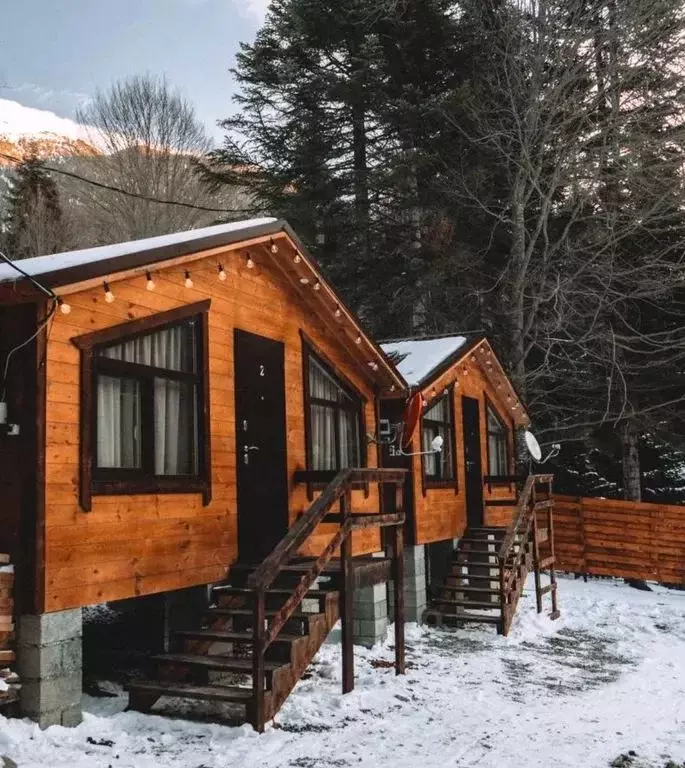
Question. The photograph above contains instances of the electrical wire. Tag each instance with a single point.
(136, 195)
(48, 317)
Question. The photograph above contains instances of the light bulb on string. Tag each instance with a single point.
(188, 281)
(64, 308)
(248, 262)
(150, 285)
(317, 286)
(274, 247)
(358, 340)
(304, 280)
(222, 273)
(338, 311)
(297, 259)
(109, 296)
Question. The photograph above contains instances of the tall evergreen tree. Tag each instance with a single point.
(34, 223)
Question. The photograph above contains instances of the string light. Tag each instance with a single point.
(188, 280)
(150, 285)
(64, 308)
(304, 280)
(109, 296)
(392, 388)
(297, 259)
(374, 366)
(274, 247)
(222, 273)
(317, 286)
(338, 311)
(248, 262)
(358, 340)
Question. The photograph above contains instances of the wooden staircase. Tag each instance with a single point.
(268, 622)
(491, 565)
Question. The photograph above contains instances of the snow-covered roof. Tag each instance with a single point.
(416, 359)
(42, 265)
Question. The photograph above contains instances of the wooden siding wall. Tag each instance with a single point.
(135, 545)
(440, 513)
(605, 537)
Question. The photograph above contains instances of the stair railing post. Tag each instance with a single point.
(398, 582)
(258, 634)
(347, 596)
(503, 628)
(536, 551)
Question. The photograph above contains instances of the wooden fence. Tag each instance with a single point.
(628, 539)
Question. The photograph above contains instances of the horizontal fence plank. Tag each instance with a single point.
(609, 537)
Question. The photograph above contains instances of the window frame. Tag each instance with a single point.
(309, 350)
(94, 481)
(490, 406)
(429, 481)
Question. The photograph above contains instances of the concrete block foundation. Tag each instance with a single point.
(370, 617)
(49, 663)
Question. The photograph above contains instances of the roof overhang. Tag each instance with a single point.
(274, 243)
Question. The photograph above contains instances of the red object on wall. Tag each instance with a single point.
(412, 414)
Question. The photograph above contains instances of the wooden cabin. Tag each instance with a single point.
(173, 406)
(468, 489)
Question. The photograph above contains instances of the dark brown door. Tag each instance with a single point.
(260, 445)
(472, 456)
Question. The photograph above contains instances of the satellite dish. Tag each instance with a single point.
(533, 445)
(437, 443)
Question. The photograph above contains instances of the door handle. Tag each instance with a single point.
(247, 448)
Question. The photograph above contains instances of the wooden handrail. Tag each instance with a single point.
(339, 489)
(263, 577)
(511, 579)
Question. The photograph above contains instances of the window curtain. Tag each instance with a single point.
(335, 427)
(497, 444)
(438, 465)
(119, 405)
(118, 415)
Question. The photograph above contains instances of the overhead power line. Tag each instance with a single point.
(136, 195)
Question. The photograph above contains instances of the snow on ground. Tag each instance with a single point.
(607, 678)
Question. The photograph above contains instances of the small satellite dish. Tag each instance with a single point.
(533, 445)
(437, 443)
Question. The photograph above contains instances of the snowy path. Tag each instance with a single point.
(608, 677)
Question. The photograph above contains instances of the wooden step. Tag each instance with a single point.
(219, 662)
(469, 604)
(547, 562)
(227, 589)
(474, 577)
(548, 588)
(226, 636)
(191, 691)
(228, 612)
(467, 588)
(475, 617)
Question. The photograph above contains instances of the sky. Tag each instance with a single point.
(55, 55)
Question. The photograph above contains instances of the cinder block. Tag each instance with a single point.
(49, 628)
(376, 593)
(72, 716)
(35, 661)
(57, 693)
(415, 561)
(72, 656)
(377, 610)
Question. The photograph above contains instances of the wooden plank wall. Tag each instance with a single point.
(607, 537)
(441, 512)
(136, 545)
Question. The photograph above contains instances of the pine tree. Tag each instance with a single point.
(34, 225)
